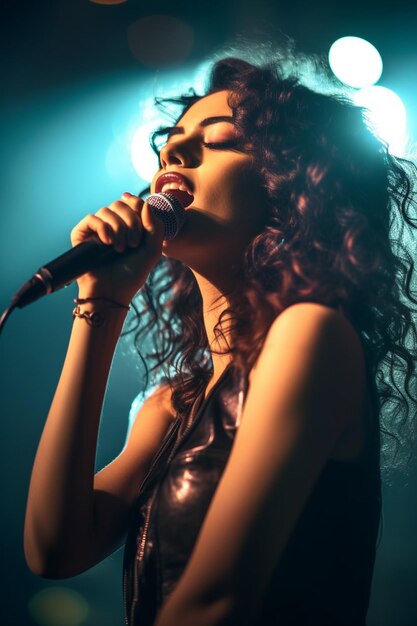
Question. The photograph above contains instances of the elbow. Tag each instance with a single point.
(35, 556)
(52, 564)
(51, 568)
(42, 564)
(43, 570)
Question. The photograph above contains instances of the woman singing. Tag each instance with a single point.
(281, 318)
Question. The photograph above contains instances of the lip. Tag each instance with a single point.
(173, 177)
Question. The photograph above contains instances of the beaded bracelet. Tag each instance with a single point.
(94, 318)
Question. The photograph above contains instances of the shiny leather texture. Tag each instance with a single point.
(324, 576)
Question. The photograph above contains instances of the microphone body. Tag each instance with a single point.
(92, 253)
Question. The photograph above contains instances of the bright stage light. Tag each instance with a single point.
(355, 61)
(386, 115)
(144, 159)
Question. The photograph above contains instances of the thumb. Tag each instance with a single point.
(152, 224)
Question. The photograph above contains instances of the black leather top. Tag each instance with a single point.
(324, 575)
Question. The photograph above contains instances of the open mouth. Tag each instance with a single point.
(177, 186)
(182, 196)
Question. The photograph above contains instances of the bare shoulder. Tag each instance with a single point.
(313, 355)
(307, 328)
(311, 318)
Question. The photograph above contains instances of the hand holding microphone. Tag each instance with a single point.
(114, 250)
(129, 238)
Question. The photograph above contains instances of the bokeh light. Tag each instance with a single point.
(355, 61)
(108, 1)
(160, 40)
(58, 606)
(144, 159)
(386, 115)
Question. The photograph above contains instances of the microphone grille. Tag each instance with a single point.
(169, 210)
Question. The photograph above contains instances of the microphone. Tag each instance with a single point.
(92, 253)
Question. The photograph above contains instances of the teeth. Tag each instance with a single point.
(168, 186)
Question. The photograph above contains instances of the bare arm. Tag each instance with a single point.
(72, 520)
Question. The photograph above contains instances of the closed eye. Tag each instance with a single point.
(221, 145)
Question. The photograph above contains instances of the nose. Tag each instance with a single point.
(180, 152)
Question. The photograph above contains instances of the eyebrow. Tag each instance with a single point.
(176, 130)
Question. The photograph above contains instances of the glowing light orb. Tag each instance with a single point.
(386, 116)
(58, 606)
(355, 61)
(144, 159)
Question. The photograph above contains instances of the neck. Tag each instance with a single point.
(215, 301)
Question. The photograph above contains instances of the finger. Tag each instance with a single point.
(151, 223)
(91, 225)
(134, 202)
(118, 227)
(132, 220)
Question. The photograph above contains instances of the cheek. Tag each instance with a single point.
(253, 202)
(242, 176)
(246, 189)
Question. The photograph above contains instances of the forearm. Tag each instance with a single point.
(60, 507)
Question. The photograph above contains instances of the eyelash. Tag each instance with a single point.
(218, 145)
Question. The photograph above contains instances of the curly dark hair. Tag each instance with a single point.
(340, 211)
